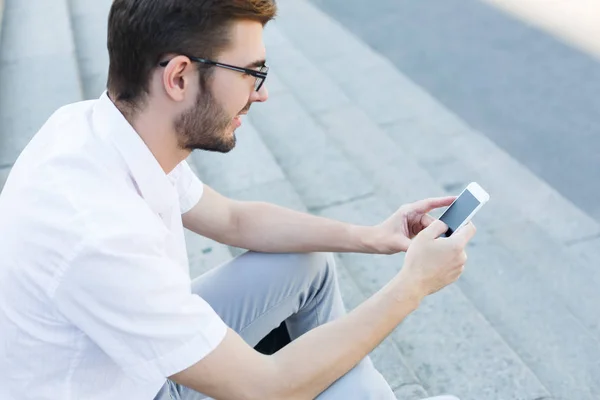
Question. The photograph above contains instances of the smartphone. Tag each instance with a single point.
(464, 208)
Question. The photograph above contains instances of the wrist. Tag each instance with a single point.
(407, 290)
(367, 239)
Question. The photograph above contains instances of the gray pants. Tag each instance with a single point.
(255, 292)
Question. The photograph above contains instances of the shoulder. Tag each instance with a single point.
(56, 202)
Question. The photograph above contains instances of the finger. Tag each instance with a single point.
(426, 220)
(404, 244)
(424, 206)
(435, 229)
(464, 234)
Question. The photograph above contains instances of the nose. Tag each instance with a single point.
(261, 96)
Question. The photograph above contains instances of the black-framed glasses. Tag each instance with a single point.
(260, 75)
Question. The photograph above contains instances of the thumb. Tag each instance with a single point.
(465, 234)
(435, 229)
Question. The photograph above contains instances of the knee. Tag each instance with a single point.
(319, 265)
(317, 270)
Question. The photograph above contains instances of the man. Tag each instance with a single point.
(96, 301)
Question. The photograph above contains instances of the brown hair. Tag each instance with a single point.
(140, 32)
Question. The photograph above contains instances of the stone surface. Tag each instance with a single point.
(463, 155)
(249, 164)
(389, 97)
(531, 93)
(318, 36)
(275, 84)
(548, 265)
(3, 176)
(588, 251)
(204, 254)
(1, 15)
(36, 28)
(279, 192)
(515, 296)
(455, 350)
(379, 156)
(20, 116)
(321, 174)
(90, 21)
(410, 392)
(36, 44)
(515, 185)
(387, 356)
(303, 77)
(394, 173)
(448, 342)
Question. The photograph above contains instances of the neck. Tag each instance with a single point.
(158, 134)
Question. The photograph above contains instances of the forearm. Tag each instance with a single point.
(269, 228)
(308, 365)
(314, 361)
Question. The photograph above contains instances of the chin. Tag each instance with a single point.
(226, 146)
(217, 147)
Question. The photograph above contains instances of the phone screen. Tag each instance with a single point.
(464, 205)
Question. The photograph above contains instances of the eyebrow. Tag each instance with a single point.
(256, 64)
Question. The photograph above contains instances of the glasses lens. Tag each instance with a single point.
(259, 81)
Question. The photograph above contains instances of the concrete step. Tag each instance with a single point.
(588, 251)
(1, 15)
(38, 70)
(543, 273)
(387, 356)
(304, 153)
(372, 156)
(386, 96)
(4, 171)
(396, 103)
(447, 341)
(89, 21)
(373, 272)
(545, 332)
(250, 172)
(534, 257)
(203, 253)
(542, 270)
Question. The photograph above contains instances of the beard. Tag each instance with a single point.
(206, 126)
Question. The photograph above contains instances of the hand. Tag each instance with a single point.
(396, 233)
(432, 262)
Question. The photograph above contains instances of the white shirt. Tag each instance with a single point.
(95, 293)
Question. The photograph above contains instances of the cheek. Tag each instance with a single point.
(232, 94)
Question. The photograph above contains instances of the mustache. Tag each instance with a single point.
(246, 109)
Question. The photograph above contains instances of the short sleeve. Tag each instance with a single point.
(188, 185)
(134, 303)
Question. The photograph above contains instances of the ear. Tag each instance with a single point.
(177, 77)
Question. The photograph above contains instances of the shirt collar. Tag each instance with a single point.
(150, 178)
